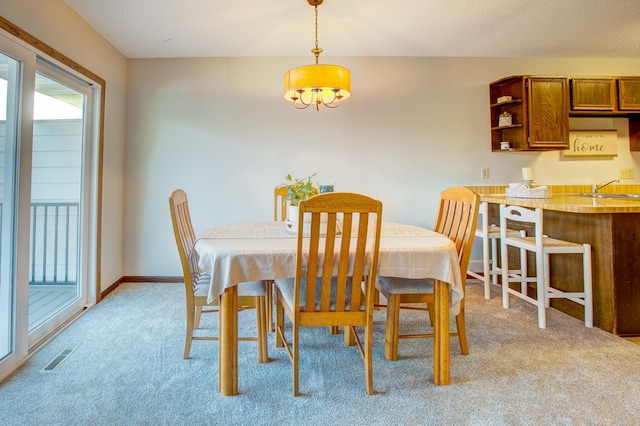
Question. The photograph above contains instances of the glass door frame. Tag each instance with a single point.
(84, 295)
(22, 46)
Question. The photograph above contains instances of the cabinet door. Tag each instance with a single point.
(629, 94)
(548, 104)
(593, 94)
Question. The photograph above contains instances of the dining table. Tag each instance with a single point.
(240, 252)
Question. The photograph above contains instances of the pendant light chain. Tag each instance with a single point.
(317, 50)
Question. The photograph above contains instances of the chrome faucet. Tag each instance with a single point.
(595, 188)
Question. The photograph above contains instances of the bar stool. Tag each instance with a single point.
(543, 247)
(490, 234)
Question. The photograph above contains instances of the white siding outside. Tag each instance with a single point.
(57, 162)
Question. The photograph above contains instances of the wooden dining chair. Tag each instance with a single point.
(279, 215)
(334, 280)
(457, 216)
(196, 284)
(280, 203)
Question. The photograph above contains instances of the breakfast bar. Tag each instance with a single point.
(611, 224)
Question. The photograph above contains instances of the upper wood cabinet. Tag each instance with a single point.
(606, 94)
(593, 94)
(539, 107)
(629, 93)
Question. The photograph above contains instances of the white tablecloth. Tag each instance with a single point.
(241, 252)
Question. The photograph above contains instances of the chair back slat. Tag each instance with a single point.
(336, 254)
(457, 217)
(279, 203)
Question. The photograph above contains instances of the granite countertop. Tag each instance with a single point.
(568, 199)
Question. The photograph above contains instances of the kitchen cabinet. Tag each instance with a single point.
(629, 93)
(593, 94)
(605, 94)
(539, 107)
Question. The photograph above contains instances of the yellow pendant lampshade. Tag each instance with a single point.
(317, 84)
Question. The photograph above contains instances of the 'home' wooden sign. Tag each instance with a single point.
(592, 143)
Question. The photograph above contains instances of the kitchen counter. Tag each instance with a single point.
(612, 227)
(573, 203)
(568, 198)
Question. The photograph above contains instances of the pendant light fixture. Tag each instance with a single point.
(317, 84)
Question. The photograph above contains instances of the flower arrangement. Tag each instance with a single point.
(505, 114)
(299, 189)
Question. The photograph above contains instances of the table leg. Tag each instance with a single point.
(228, 342)
(442, 297)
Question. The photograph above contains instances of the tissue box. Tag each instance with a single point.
(524, 191)
(504, 99)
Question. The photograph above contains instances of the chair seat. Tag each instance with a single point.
(493, 231)
(248, 289)
(286, 290)
(394, 285)
(549, 244)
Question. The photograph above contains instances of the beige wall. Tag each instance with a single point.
(60, 27)
(219, 129)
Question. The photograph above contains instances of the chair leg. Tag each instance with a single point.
(494, 261)
(349, 339)
(196, 321)
(430, 311)
(504, 265)
(486, 268)
(462, 330)
(547, 281)
(541, 290)
(189, 335)
(368, 358)
(279, 321)
(261, 321)
(524, 271)
(391, 334)
(294, 360)
(588, 290)
(269, 305)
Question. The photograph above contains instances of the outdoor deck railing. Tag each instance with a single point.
(54, 243)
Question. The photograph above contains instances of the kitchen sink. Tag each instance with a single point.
(612, 196)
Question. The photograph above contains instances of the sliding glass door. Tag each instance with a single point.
(60, 129)
(10, 73)
(48, 205)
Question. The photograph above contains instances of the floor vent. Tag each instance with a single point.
(61, 357)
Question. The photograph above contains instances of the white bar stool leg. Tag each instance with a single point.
(541, 290)
(588, 291)
(488, 265)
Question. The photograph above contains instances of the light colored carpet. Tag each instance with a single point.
(129, 369)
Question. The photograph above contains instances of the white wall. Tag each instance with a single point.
(54, 23)
(219, 129)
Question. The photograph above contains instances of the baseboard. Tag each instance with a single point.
(145, 279)
(140, 279)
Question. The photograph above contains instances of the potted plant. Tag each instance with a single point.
(505, 119)
(298, 189)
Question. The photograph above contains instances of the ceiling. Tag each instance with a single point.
(446, 28)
